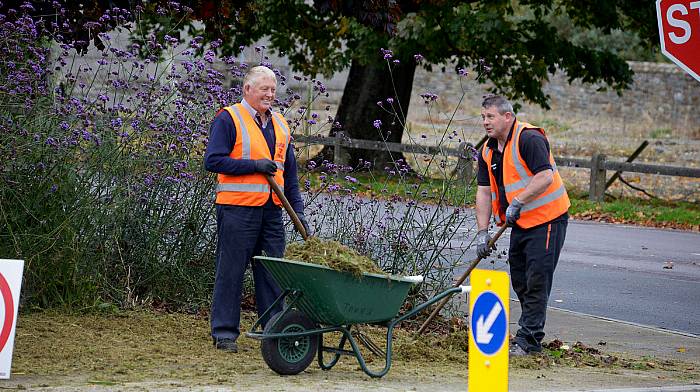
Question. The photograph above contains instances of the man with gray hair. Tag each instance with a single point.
(519, 184)
(247, 143)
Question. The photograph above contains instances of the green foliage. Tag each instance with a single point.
(660, 133)
(643, 211)
(520, 43)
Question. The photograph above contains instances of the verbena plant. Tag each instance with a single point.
(103, 193)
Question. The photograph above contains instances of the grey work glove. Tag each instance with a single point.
(513, 211)
(266, 166)
(304, 223)
(482, 244)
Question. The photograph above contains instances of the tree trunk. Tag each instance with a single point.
(366, 85)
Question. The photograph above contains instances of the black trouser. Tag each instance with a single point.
(533, 257)
(244, 232)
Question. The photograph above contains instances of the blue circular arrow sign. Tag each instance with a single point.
(489, 325)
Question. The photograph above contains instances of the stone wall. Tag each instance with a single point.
(663, 99)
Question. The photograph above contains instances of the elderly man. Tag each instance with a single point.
(519, 183)
(247, 143)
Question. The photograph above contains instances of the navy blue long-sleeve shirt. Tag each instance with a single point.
(222, 138)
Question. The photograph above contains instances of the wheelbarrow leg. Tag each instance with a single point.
(361, 360)
(336, 355)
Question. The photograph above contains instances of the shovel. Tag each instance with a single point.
(461, 279)
(292, 214)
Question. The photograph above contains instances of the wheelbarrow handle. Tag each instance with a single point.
(292, 214)
(459, 281)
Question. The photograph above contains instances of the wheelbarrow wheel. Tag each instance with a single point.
(289, 355)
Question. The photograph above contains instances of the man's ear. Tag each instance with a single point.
(509, 115)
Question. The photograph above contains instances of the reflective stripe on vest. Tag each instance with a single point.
(495, 204)
(245, 136)
(287, 134)
(522, 173)
(226, 187)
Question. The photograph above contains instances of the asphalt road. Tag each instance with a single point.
(618, 272)
(613, 271)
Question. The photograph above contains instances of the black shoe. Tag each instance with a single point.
(226, 344)
(517, 351)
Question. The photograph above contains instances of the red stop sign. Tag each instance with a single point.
(679, 29)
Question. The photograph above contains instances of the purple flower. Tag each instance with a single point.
(386, 53)
(377, 124)
(462, 72)
(390, 100)
(351, 179)
(418, 57)
(429, 97)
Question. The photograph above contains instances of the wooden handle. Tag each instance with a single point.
(292, 214)
(461, 280)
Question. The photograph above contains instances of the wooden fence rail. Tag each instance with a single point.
(598, 163)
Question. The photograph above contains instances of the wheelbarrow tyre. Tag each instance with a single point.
(288, 356)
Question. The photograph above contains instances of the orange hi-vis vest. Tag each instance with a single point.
(253, 189)
(553, 202)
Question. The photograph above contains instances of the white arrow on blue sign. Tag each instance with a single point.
(488, 325)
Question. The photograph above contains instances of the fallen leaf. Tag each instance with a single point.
(681, 349)
(668, 265)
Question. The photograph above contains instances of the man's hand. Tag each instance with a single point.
(266, 166)
(482, 244)
(513, 211)
(304, 223)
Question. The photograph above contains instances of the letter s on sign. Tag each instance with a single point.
(681, 24)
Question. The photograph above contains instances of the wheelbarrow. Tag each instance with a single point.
(320, 300)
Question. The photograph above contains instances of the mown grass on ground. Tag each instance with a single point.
(132, 346)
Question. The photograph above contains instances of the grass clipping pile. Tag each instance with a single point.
(331, 254)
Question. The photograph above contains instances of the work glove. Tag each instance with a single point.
(265, 166)
(304, 223)
(513, 211)
(482, 244)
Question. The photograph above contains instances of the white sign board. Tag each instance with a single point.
(10, 284)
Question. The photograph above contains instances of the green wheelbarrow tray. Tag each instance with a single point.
(322, 300)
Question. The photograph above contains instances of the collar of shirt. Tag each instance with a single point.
(255, 115)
